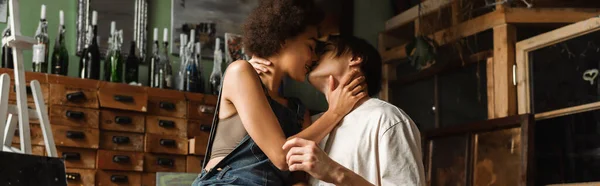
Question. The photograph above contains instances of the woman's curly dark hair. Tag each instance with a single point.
(274, 21)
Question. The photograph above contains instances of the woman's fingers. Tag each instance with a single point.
(348, 77)
(356, 83)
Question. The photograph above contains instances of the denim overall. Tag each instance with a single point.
(247, 164)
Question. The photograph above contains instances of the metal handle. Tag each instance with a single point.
(124, 99)
(205, 128)
(120, 159)
(75, 135)
(119, 178)
(165, 162)
(71, 156)
(74, 114)
(167, 142)
(75, 96)
(166, 124)
(207, 109)
(122, 120)
(167, 105)
(120, 139)
(73, 176)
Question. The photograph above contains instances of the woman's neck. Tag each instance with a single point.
(273, 79)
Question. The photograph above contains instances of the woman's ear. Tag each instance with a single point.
(355, 61)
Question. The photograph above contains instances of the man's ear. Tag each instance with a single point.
(355, 61)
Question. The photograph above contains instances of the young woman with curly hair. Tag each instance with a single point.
(253, 120)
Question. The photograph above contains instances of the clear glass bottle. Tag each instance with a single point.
(154, 61)
(40, 49)
(60, 55)
(166, 63)
(181, 74)
(216, 76)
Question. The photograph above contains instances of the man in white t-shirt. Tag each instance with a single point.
(375, 144)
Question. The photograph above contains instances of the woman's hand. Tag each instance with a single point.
(344, 97)
(260, 65)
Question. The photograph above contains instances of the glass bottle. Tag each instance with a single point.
(90, 61)
(216, 76)
(40, 49)
(154, 61)
(166, 63)
(132, 65)
(60, 56)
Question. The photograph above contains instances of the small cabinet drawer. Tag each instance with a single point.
(198, 127)
(168, 103)
(12, 95)
(198, 144)
(120, 160)
(122, 141)
(166, 144)
(194, 164)
(123, 97)
(68, 136)
(77, 177)
(122, 121)
(148, 179)
(164, 163)
(36, 135)
(74, 95)
(73, 116)
(78, 157)
(35, 149)
(166, 126)
(200, 110)
(111, 178)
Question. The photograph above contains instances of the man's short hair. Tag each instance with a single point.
(371, 60)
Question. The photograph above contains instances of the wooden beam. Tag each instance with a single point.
(462, 30)
(411, 14)
(550, 15)
(476, 127)
(490, 86)
(384, 93)
(568, 111)
(505, 97)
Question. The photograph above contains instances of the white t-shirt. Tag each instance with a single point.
(379, 142)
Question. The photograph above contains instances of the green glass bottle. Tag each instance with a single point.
(60, 55)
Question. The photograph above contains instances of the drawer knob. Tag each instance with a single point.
(205, 128)
(166, 105)
(122, 120)
(119, 178)
(166, 124)
(71, 156)
(74, 114)
(165, 162)
(73, 176)
(75, 96)
(124, 99)
(75, 135)
(120, 139)
(120, 159)
(206, 109)
(167, 142)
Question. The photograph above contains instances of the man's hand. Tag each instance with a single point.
(305, 155)
(260, 65)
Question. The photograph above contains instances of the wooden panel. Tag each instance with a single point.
(198, 127)
(497, 158)
(122, 121)
(77, 177)
(12, 95)
(194, 164)
(35, 149)
(118, 178)
(122, 141)
(78, 157)
(67, 136)
(73, 116)
(120, 160)
(166, 126)
(505, 95)
(166, 144)
(123, 97)
(29, 76)
(148, 179)
(549, 15)
(70, 95)
(449, 161)
(36, 136)
(164, 163)
(168, 103)
(198, 144)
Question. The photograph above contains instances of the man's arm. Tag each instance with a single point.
(305, 155)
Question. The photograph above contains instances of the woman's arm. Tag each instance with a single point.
(241, 83)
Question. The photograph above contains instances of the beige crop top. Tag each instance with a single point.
(235, 132)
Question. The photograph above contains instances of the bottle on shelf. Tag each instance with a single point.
(216, 76)
(7, 57)
(166, 63)
(40, 49)
(109, 52)
(132, 65)
(60, 55)
(180, 79)
(154, 61)
(90, 59)
(116, 60)
(192, 82)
